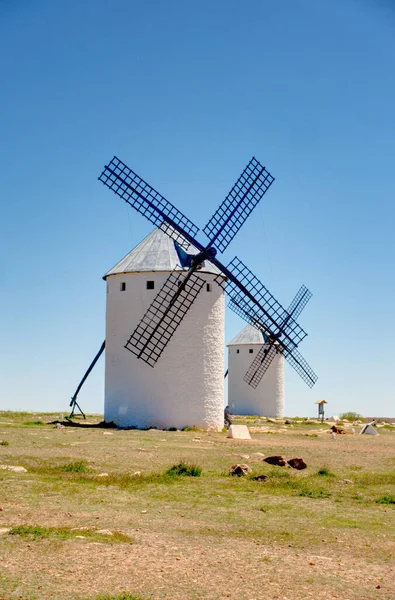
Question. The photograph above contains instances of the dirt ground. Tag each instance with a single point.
(299, 535)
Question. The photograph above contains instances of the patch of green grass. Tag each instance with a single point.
(33, 423)
(184, 470)
(314, 493)
(36, 532)
(75, 467)
(325, 472)
(191, 429)
(28, 530)
(388, 499)
(4, 443)
(375, 478)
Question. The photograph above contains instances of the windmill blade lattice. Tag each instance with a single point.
(147, 201)
(248, 190)
(301, 366)
(264, 308)
(164, 315)
(266, 354)
(302, 297)
(260, 365)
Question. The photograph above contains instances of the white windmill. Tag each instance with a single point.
(267, 398)
(186, 387)
(256, 359)
(169, 292)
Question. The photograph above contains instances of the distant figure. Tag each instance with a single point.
(227, 416)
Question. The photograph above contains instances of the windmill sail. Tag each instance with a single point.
(147, 201)
(261, 304)
(248, 190)
(164, 315)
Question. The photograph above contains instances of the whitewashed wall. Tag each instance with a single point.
(186, 386)
(268, 398)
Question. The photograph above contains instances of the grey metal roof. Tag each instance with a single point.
(155, 253)
(248, 336)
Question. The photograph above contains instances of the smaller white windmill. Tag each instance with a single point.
(255, 352)
(267, 398)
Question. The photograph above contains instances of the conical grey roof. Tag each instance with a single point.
(156, 252)
(248, 336)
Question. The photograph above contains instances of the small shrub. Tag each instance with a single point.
(75, 467)
(183, 470)
(172, 429)
(191, 429)
(324, 472)
(4, 443)
(386, 500)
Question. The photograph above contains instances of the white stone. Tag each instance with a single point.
(267, 399)
(238, 432)
(104, 532)
(186, 386)
(15, 469)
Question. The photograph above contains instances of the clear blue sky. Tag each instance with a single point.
(185, 93)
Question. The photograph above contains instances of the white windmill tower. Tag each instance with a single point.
(182, 307)
(256, 356)
(267, 398)
(186, 387)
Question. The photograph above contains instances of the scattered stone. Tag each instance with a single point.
(15, 469)
(4, 530)
(102, 475)
(258, 455)
(278, 461)
(107, 433)
(239, 432)
(240, 470)
(245, 456)
(288, 421)
(345, 481)
(104, 532)
(260, 478)
(297, 463)
(271, 421)
(136, 474)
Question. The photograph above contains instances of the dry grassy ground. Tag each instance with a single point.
(298, 535)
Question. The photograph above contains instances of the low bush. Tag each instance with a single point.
(350, 416)
(75, 467)
(183, 470)
(386, 500)
(324, 472)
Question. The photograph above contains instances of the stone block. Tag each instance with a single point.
(239, 432)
